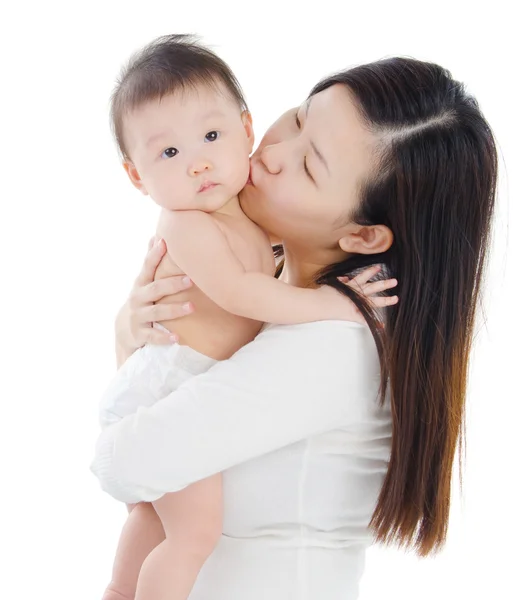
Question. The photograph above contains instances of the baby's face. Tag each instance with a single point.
(189, 150)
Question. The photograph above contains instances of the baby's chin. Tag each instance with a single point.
(209, 196)
(210, 200)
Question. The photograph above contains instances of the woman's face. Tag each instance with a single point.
(305, 174)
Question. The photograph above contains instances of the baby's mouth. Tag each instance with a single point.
(207, 185)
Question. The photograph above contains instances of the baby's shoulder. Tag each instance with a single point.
(249, 244)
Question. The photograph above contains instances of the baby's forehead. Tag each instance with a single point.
(197, 101)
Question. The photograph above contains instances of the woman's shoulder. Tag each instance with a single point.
(333, 334)
(336, 351)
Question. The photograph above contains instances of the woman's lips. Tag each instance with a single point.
(207, 185)
(249, 180)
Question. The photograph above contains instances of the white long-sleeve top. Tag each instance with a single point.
(294, 423)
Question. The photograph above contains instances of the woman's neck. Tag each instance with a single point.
(298, 272)
(302, 264)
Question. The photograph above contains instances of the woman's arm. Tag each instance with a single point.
(289, 384)
(199, 248)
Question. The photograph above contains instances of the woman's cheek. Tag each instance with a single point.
(288, 197)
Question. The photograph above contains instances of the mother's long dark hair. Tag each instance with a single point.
(434, 187)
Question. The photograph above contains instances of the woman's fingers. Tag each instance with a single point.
(151, 243)
(154, 291)
(151, 262)
(164, 312)
(152, 335)
(161, 312)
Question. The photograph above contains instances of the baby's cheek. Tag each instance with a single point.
(238, 171)
(175, 193)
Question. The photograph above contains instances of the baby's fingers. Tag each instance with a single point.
(382, 301)
(379, 286)
(366, 275)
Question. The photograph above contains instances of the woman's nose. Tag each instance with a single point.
(271, 157)
(199, 166)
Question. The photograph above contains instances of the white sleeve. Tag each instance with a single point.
(291, 383)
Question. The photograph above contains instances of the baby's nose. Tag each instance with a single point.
(198, 167)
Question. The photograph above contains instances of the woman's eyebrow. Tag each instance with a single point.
(314, 147)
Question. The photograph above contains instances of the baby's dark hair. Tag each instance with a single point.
(168, 64)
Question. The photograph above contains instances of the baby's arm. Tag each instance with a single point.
(199, 247)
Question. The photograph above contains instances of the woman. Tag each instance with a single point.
(389, 163)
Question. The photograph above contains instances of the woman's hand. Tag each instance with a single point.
(134, 322)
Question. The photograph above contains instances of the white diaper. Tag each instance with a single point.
(151, 373)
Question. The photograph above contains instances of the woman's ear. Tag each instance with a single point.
(366, 239)
(134, 176)
(246, 118)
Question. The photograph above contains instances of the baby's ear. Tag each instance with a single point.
(134, 176)
(246, 118)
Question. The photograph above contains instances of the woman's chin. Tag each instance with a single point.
(250, 202)
(246, 199)
(252, 205)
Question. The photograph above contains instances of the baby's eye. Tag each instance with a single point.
(169, 153)
(212, 136)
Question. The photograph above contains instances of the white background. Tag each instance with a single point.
(73, 233)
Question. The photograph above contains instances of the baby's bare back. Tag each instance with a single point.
(211, 330)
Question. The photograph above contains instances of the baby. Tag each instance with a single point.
(185, 135)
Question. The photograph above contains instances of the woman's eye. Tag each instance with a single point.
(306, 170)
(212, 136)
(169, 153)
(298, 125)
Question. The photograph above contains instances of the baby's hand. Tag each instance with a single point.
(361, 284)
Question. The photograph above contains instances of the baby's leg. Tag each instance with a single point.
(192, 521)
(141, 533)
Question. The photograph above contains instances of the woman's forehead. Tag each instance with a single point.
(334, 105)
(333, 116)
